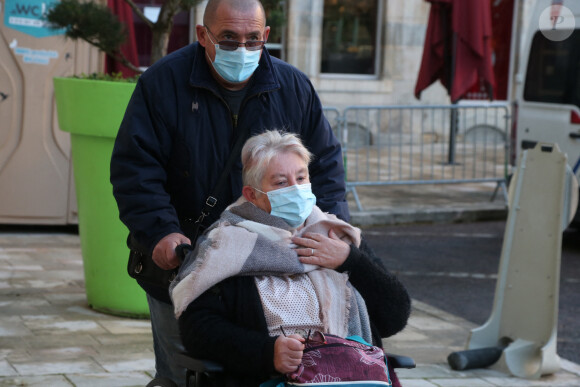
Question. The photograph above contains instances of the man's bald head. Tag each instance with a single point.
(239, 5)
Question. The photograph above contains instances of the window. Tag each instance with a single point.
(276, 19)
(350, 37)
(179, 35)
(183, 32)
(553, 73)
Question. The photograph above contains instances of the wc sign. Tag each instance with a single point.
(27, 16)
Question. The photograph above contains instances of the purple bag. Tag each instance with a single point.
(332, 359)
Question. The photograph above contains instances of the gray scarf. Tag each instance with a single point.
(247, 241)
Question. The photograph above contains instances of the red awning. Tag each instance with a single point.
(457, 49)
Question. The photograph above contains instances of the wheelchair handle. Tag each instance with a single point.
(182, 250)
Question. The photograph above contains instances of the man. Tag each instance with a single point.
(179, 127)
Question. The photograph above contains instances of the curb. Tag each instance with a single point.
(386, 217)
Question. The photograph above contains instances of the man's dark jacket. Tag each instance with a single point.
(177, 133)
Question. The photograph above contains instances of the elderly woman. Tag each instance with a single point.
(275, 266)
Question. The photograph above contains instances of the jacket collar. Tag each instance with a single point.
(263, 80)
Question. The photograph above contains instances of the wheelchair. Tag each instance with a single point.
(199, 372)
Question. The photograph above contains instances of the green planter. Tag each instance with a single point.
(91, 111)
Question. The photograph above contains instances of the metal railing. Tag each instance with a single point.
(433, 144)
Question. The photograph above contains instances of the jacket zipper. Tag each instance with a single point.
(234, 117)
(330, 345)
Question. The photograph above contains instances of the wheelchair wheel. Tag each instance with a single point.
(161, 382)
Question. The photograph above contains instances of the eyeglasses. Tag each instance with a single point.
(310, 338)
(317, 338)
(232, 45)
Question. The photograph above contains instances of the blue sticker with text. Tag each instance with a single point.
(27, 16)
(41, 57)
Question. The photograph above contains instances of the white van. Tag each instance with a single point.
(547, 107)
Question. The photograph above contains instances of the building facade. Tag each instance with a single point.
(368, 51)
(356, 52)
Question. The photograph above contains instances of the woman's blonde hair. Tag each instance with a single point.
(259, 150)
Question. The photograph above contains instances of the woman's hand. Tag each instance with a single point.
(288, 353)
(317, 249)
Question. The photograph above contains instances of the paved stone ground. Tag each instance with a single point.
(427, 203)
(50, 337)
(433, 334)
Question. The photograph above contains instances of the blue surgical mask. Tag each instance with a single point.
(293, 204)
(235, 66)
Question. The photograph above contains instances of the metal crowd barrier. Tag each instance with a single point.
(433, 144)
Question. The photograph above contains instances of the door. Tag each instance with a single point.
(35, 167)
(550, 108)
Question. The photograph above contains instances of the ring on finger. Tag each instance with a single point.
(311, 251)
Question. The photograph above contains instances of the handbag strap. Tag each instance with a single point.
(210, 202)
(212, 199)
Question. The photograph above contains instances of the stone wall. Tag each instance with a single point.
(402, 35)
(402, 31)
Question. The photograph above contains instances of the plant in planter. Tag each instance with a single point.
(96, 24)
(91, 110)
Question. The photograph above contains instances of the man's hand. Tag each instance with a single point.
(164, 254)
(288, 353)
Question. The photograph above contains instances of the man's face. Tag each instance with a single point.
(231, 24)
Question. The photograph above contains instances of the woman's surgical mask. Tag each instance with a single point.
(293, 204)
(235, 66)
